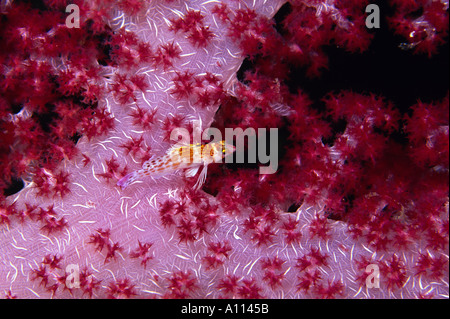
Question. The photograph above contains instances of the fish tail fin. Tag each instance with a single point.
(128, 179)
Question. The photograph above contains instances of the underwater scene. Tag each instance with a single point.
(224, 149)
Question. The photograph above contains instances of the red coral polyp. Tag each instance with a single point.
(121, 289)
(166, 55)
(181, 285)
(192, 25)
(142, 252)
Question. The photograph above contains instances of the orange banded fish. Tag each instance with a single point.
(190, 157)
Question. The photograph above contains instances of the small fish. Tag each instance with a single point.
(190, 157)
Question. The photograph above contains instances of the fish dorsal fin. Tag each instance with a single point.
(190, 153)
(174, 150)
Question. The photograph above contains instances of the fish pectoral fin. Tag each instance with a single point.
(190, 172)
(201, 178)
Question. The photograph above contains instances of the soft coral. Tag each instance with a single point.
(96, 123)
(192, 24)
(428, 131)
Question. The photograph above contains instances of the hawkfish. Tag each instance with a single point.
(190, 157)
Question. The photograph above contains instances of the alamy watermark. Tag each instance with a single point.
(73, 19)
(257, 140)
(372, 20)
(73, 276)
(373, 278)
(256, 150)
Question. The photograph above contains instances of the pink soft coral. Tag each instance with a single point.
(340, 196)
